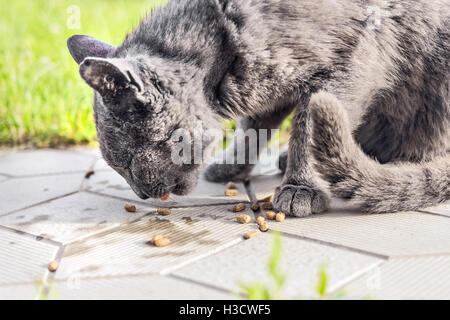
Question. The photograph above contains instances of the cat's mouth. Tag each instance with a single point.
(160, 192)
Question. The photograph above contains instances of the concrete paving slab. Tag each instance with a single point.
(126, 249)
(101, 164)
(69, 218)
(23, 192)
(301, 262)
(394, 234)
(106, 247)
(206, 193)
(411, 278)
(24, 258)
(27, 291)
(443, 209)
(136, 287)
(40, 162)
(265, 185)
(94, 152)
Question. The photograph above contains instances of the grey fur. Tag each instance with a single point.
(354, 175)
(386, 62)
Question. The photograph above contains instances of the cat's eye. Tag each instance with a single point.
(109, 78)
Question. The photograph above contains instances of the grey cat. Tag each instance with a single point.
(368, 82)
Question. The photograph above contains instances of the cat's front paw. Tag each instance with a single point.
(300, 201)
(219, 172)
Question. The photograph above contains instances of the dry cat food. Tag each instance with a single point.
(164, 211)
(53, 266)
(260, 220)
(268, 198)
(130, 207)
(157, 237)
(231, 185)
(89, 174)
(255, 206)
(160, 241)
(243, 218)
(280, 217)
(267, 205)
(163, 242)
(264, 226)
(231, 192)
(239, 207)
(271, 215)
(251, 234)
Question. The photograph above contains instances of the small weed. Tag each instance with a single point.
(259, 291)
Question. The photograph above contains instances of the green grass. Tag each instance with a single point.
(43, 101)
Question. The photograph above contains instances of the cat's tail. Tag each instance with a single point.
(351, 174)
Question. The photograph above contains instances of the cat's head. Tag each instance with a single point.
(142, 105)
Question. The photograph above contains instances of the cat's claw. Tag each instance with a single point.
(300, 201)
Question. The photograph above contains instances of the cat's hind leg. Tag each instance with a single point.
(223, 170)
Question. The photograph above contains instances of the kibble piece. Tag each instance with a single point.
(231, 192)
(243, 218)
(130, 207)
(251, 234)
(271, 215)
(267, 205)
(264, 226)
(260, 220)
(157, 237)
(239, 207)
(280, 217)
(231, 185)
(162, 242)
(53, 266)
(89, 174)
(255, 206)
(164, 211)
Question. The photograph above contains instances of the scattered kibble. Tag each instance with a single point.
(231, 185)
(239, 207)
(243, 218)
(255, 206)
(267, 205)
(271, 215)
(89, 174)
(164, 211)
(264, 226)
(53, 266)
(268, 198)
(280, 217)
(231, 192)
(251, 234)
(130, 208)
(157, 237)
(260, 220)
(162, 242)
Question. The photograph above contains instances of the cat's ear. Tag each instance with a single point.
(110, 77)
(81, 47)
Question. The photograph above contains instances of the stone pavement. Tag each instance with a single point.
(50, 211)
